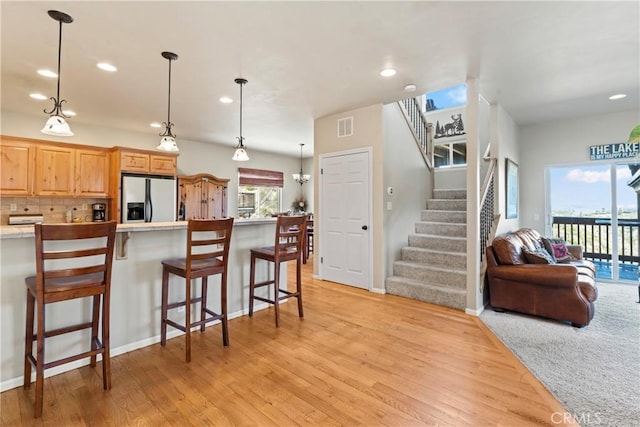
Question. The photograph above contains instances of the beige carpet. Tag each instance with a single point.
(593, 371)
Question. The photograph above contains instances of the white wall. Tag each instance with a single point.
(505, 144)
(405, 170)
(561, 143)
(195, 157)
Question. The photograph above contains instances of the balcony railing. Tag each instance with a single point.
(596, 237)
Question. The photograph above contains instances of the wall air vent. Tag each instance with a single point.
(345, 127)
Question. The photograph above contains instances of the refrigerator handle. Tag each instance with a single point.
(148, 205)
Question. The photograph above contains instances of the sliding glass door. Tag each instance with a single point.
(596, 206)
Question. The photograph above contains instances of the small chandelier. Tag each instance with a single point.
(56, 124)
(241, 153)
(301, 177)
(168, 141)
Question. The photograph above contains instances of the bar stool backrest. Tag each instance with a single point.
(290, 234)
(92, 253)
(208, 240)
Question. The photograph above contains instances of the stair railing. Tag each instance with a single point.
(487, 207)
(420, 128)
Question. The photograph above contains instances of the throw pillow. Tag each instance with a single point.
(558, 249)
(538, 256)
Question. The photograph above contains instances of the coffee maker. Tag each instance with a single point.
(99, 212)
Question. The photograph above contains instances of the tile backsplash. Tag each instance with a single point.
(53, 209)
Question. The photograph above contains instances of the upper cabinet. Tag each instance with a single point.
(17, 168)
(139, 161)
(92, 173)
(44, 168)
(54, 171)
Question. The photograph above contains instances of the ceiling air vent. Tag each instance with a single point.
(345, 127)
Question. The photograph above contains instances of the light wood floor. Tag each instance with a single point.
(357, 358)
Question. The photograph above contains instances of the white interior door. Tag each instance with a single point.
(345, 227)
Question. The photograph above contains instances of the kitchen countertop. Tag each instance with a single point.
(23, 231)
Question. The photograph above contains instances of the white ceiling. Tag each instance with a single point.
(304, 60)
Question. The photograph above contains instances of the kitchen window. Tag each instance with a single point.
(259, 193)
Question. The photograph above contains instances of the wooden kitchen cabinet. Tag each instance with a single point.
(139, 161)
(55, 171)
(17, 168)
(202, 196)
(92, 173)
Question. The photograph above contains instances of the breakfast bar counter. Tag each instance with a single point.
(135, 288)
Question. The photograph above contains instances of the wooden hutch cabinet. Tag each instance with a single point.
(202, 196)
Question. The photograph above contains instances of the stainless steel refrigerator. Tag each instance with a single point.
(148, 198)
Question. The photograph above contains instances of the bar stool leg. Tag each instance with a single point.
(223, 309)
(276, 289)
(95, 314)
(163, 314)
(187, 319)
(28, 341)
(39, 361)
(203, 302)
(252, 282)
(106, 346)
(299, 287)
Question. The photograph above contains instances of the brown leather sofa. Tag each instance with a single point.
(563, 291)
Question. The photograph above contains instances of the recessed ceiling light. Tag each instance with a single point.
(106, 66)
(618, 96)
(47, 73)
(69, 113)
(155, 125)
(38, 96)
(226, 100)
(388, 72)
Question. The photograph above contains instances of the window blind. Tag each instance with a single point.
(260, 177)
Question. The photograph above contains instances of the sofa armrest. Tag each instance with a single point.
(556, 275)
(575, 250)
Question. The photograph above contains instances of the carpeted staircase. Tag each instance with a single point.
(433, 266)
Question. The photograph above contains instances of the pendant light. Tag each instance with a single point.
(168, 141)
(56, 124)
(241, 153)
(301, 177)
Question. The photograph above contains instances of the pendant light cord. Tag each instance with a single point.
(58, 102)
(241, 145)
(169, 100)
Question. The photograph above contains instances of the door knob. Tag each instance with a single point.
(364, 227)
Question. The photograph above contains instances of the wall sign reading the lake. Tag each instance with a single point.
(623, 150)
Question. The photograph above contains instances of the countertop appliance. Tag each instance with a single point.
(25, 219)
(99, 212)
(148, 198)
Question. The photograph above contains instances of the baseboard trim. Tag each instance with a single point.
(476, 313)
(378, 291)
(18, 382)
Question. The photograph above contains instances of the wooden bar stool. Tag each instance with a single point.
(290, 238)
(208, 243)
(86, 273)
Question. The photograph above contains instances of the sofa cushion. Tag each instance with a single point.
(508, 249)
(530, 238)
(557, 248)
(538, 256)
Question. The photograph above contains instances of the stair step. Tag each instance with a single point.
(445, 277)
(439, 243)
(456, 260)
(454, 298)
(447, 204)
(450, 194)
(457, 217)
(441, 228)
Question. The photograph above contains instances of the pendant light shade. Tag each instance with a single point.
(301, 177)
(241, 152)
(56, 124)
(168, 141)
